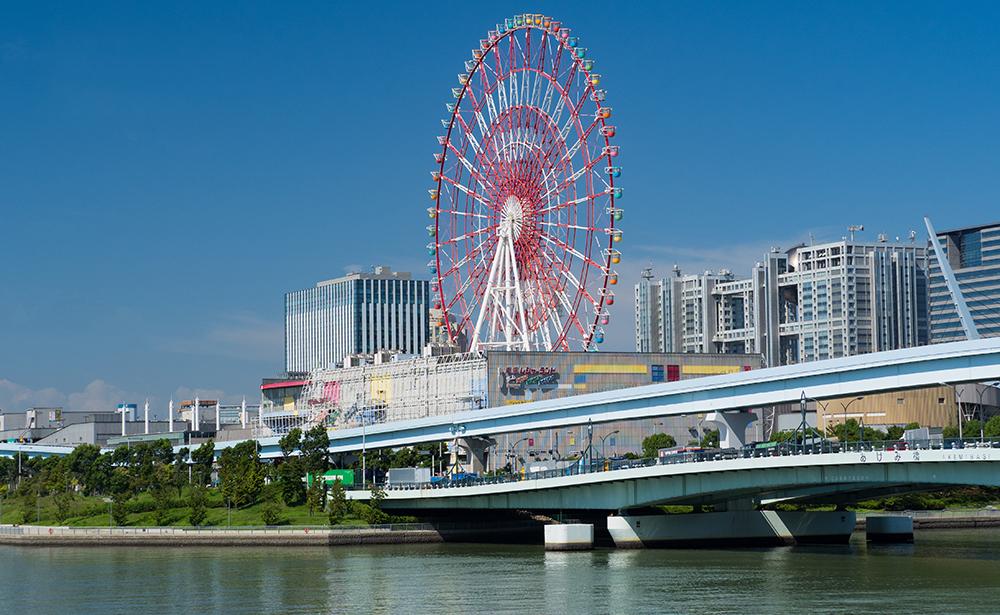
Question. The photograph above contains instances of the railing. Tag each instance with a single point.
(783, 449)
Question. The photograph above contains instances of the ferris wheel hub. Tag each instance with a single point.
(512, 217)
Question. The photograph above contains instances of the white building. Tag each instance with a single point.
(656, 303)
(360, 313)
(814, 302)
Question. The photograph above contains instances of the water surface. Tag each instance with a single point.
(955, 571)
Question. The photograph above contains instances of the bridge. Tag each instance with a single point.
(954, 363)
(736, 484)
(820, 474)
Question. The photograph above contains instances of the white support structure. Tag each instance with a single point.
(964, 316)
(145, 417)
(502, 309)
(243, 413)
(218, 417)
(170, 415)
(197, 414)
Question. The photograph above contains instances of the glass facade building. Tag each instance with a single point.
(974, 255)
(360, 313)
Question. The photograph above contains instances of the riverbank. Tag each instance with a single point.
(404, 533)
(400, 533)
(942, 519)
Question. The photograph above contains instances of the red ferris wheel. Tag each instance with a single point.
(525, 216)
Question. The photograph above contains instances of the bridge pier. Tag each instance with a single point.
(476, 453)
(731, 529)
(732, 427)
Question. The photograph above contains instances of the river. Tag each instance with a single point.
(955, 571)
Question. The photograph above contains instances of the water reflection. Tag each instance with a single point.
(943, 571)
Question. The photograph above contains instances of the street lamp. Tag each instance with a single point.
(510, 452)
(110, 517)
(603, 438)
(825, 412)
(982, 418)
(958, 405)
(845, 407)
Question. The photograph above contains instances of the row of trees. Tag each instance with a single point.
(184, 480)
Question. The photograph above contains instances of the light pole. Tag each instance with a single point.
(824, 407)
(110, 517)
(510, 453)
(604, 452)
(845, 407)
(958, 405)
(982, 418)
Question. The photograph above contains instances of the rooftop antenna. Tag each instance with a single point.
(854, 228)
(647, 273)
(913, 236)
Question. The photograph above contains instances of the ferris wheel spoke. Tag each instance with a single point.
(571, 250)
(568, 305)
(570, 226)
(565, 204)
(469, 256)
(468, 191)
(469, 235)
(470, 214)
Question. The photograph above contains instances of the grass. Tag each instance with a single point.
(92, 511)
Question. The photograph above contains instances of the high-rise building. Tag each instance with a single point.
(656, 303)
(814, 302)
(360, 313)
(676, 314)
(697, 313)
(846, 298)
(974, 255)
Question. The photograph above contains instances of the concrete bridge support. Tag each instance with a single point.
(731, 528)
(732, 427)
(476, 454)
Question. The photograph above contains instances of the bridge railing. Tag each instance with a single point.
(778, 449)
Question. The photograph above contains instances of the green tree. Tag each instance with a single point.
(270, 512)
(201, 463)
(64, 505)
(290, 442)
(651, 445)
(119, 508)
(290, 471)
(163, 488)
(338, 503)
(293, 488)
(710, 438)
(373, 513)
(992, 427)
(180, 468)
(198, 504)
(316, 495)
(241, 473)
(315, 450)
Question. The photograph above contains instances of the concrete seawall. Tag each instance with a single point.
(944, 520)
(29, 535)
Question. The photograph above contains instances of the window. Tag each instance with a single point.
(940, 400)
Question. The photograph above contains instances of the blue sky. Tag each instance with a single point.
(168, 171)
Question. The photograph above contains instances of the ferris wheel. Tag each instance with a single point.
(524, 221)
